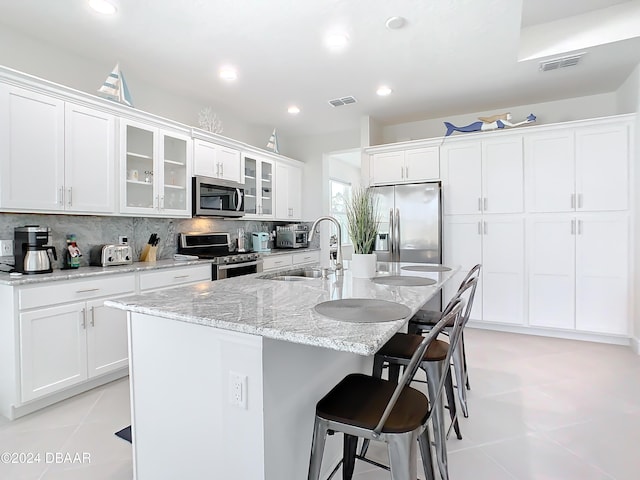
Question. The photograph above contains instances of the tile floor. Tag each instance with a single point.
(540, 408)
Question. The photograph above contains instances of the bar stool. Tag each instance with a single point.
(424, 320)
(435, 362)
(377, 409)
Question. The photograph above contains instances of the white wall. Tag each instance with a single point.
(565, 110)
(629, 100)
(44, 60)
(310, 150)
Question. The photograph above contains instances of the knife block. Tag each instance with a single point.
(148, 253)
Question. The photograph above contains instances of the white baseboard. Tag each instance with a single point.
(635, 345)
(557, 333)
(40, 403)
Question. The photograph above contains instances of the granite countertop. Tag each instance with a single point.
(85, 272)
(285, 310)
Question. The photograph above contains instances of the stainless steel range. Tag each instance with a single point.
(217, 247)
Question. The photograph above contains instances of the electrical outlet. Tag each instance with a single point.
(123, 240)
(6, 248)
(238, 390)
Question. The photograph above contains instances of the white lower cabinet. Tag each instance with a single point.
(496, 242)
(174, 277)
(276, 261)
(306, 257)
(65, 345)
(578, 273)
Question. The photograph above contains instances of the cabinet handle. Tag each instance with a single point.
(217, 169)
(479, 228)
(86, 290)
(70, 199)
(92, 322)
(178, 277)
(222, 169)
(406, 172)
(401, 171)
(162, 202)
(485, 230)
(579, 200)
(485, 204)
(479, 204)
(84, 319)
(573, 200)
(573, 227)
(61, 195)
(579, 227)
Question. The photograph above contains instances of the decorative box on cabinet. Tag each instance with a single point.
(258, 187)
(288, 192)
(411, 165)
(483, 176)
(57, 156)
(578, 272)
(155, 172)
(216, 161)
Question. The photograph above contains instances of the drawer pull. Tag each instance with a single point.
(87, 290)
(92, 322)
(177, 277)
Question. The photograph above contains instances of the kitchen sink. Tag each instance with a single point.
(299, 275)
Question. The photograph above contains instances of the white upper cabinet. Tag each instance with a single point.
(90, 160)
(412, 165)
(550, 171)
(578, 169)
(602, 168)
(258, 187)
(288, 192)
(483, 176)
(155, 170)
(31, 150)
(58, 156)
(461, 170)
(216, 161)
(502, 175)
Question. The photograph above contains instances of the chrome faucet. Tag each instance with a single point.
(339, 271)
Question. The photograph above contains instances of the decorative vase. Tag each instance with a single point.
(363, 265)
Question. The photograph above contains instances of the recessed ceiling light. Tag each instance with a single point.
(336, 40)
(383, 91)
(394, 23)
(293, 110)
(228, 73)
(103, 6)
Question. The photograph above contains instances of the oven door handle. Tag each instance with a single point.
(231, 266)
(239, 196)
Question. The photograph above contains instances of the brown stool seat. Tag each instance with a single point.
(404, 345)
(360, 400)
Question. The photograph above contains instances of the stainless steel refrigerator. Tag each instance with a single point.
(410, 223)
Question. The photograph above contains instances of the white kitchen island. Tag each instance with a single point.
(225, 375)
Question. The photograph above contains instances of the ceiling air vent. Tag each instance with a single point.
(562, 62)
(338, 102)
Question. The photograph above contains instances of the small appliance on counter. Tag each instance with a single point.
(294, 235)
(241, 241)
(32, 250)
(108, 255)
(260, 242)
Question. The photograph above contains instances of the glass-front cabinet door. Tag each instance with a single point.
(139, 155)
(156, 171)
(175, 176)
(258, 187)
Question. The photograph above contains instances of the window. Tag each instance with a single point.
(340, 195)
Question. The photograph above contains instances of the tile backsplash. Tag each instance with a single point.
(91, 231)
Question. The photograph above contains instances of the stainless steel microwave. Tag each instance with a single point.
(213, 197)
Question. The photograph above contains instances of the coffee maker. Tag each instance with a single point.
(31, 249)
